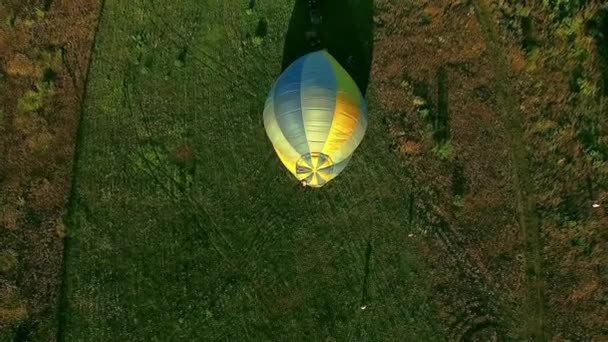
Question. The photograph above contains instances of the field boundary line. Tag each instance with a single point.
(62, 306)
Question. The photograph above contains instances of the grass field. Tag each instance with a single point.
(184, 225)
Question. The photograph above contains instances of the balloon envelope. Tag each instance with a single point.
(315, 116)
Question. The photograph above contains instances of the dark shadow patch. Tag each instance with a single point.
(459, 181)
(435, 104)
(598, 27)
(529, 41)
(484, 94)
(589, 135)
(421, 89)
(591, 191)
(570, 207)
(262, 29)
(364, 287)
(441, 122)
(346, 31)
(23, 332)
(180, 61)
(49, 75)
(32, 218)
(411, 202)
(47, 5)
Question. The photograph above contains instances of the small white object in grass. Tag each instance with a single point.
(363, 307)
(595, 205)
(410, 234)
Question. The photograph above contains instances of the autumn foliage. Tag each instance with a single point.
(44, 54)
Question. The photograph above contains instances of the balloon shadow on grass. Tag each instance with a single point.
(346, 32)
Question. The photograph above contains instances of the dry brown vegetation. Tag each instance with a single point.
(44, 55)
(563, 97)
(455, 144)
(438, 83)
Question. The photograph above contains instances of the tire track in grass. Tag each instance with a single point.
(479, 315)
(162, 173)
(222, 244)
(158, 171)
(480, 312)
(383, 278)
(528, 222)
(268, 234)
(477, 305)
(178, 39)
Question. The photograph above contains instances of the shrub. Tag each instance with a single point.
(443, 151)
(33, 100)
(257, 41)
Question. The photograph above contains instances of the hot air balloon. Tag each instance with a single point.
(315, 116)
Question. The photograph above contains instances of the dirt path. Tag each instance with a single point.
(521, 176)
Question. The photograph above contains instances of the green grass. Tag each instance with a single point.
(224, 245)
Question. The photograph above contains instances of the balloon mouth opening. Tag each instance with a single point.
(314, 169)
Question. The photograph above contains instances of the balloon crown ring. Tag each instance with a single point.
(314, 168)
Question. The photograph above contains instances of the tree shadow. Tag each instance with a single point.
(346, 32)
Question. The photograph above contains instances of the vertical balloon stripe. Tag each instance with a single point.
(357, 134)
(287, 106)
(345, 83)
(346, 116)
(276, 136)
(289, 163)
(318, 93)
(350, 92)
(346, 120)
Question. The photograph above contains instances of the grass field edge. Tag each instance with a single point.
(62, 297)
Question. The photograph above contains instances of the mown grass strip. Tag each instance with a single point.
(221, 243)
